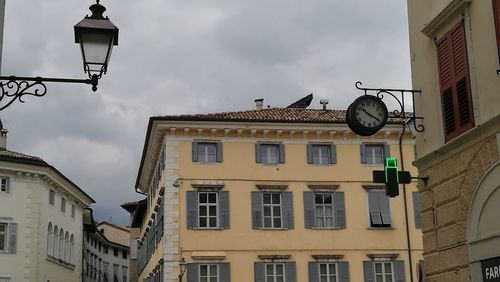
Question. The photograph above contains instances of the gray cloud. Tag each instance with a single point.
(186, 57)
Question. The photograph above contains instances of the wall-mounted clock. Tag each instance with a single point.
(367, 115)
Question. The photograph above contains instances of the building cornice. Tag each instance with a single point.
(444, 15)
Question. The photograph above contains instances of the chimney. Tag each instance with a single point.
(324, 102)
(3, 137)
(259, 104)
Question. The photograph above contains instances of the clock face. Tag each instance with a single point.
(366, 115)
(369, 113)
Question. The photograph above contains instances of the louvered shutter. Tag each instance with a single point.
(192, 209)
(453, 67)
(194, 151)
(192, 272)
(369, 271)
(343, 271)
(256, 209)
(287, 198)
(362, 149)
(259, 272)
(333, 154)
(281, 150)
(219, 152)
(385, 208)
(224, 209)
(257, 153)
(290, 272)
(416, 210)
(12, 238)
(496, 14)
(399, 271)
(340, 221)
(224, 272)
(313, 272)
(309, 153)
(309, 221)
(374, 207)
(387, 151)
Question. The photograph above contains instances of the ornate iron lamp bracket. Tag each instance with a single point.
(399, 95)
(14, 88)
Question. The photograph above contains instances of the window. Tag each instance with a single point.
(207, 152)
(49, 240)
(63, 205)
(379, 208)
(374, 153)
(324, 210)
(115, 252)
(124, 273)
(329, 271)
(73, 208)
(4, 185)
(52, 197)
(202, 272)
(116, 275)
(416, 210)
(270, 153)
(384, 271)
(105, 249)
(105, 270)
(496, 14)
(4, 279)
(275, 272)
(321, 154)
(206, 210)
(273, 210)
(453, 67)
(124, 254)
(8, 237)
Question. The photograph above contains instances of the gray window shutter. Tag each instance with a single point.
(387, 151)
(399, 270)
(374, 207)
(313, 271)
(259, 272)
(282, 153)
(369, 271)
(333, 153)
(423, 269)
(309, 154)
(12, 238)
(385, 210)
(195, 151)
(257, 153)
(224, 209)
(256, 209)
(343, 271)
(192, 209)
(416, 210)
(309, 221)
(224, 272)
(219, 152)
(287, 198)
(340, 221)
(7, 188)
(362, 149)
(192, 272)
(290, 272)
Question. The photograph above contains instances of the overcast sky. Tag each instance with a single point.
(185, 56)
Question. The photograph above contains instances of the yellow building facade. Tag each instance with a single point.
(273, 195)
(455, 48)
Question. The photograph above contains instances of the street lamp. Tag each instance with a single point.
(182, 268)
(96, 35)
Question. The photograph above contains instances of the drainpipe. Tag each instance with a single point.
(408, 241)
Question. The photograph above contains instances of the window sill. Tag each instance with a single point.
(272, 229)
(60, 262)
(327, 228)
(381, 228)
(207, 229)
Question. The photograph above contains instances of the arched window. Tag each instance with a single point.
(71, 247)
(55, 242)
(49, 240)
(66, 247)
(61, 244)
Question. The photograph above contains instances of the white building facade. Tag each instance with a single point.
(41, 219)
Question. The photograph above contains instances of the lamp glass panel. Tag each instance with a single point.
(95, 49)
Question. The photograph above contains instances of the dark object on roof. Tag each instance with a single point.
(302, 103)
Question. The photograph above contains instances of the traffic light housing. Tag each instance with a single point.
(391, 177)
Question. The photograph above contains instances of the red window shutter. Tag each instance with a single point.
(453, 67)
(496, 14)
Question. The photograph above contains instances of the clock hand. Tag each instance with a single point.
(371, 115)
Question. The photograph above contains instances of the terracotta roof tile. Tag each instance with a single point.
(19, 156)
(281, 115)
